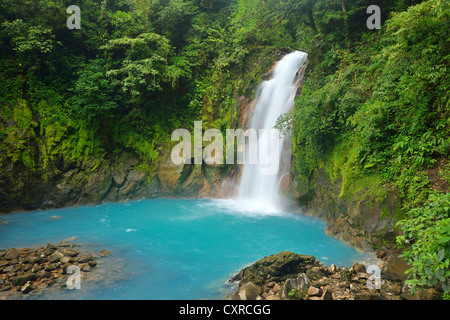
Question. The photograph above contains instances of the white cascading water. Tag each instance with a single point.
(274, 98)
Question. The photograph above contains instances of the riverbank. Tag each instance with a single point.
(291, 276)
(44, 272)
(27, 273)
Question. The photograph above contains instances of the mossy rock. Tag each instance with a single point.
(314, 275)
(277, 267)
(21, 280)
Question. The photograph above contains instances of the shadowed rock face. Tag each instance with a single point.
(67, 184)
(112, 180)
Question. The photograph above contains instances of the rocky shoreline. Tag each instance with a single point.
(29, 273)
(33, 271)
(291, 276)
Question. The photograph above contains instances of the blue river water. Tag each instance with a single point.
(173, 249)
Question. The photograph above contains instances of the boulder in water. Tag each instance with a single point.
(277, 267)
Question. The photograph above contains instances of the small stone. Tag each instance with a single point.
(41, 259)
(4, 263)
(85, 258)
(324, 270)
(50, 247)
(8, 269)
(11, 254)
(24, 251)
(26, 288)
(36, 267)
(104, 253)
(55, 256)
(332, 268)
(5, 288)
(25, 267)
(312, 291)
(63, 244)
(69, 252)
(47, 252)
(65, 260)
(22, 279)
(276, 288)
(50, 267)
(358, 268)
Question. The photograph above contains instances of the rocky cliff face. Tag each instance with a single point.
(365, 222)
(118, 179)
(68, 184)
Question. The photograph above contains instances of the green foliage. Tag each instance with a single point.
(375, 106)
(389, 98)
(32, 44)
(356, 183)
(15, 142)
(426, 239)
(93, 93)
(27, 39)
(174, 19)
(142, 69)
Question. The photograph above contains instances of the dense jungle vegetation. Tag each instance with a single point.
(374, 108)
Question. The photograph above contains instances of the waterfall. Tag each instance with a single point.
(274, 97)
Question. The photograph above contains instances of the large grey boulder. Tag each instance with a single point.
(300, 283)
